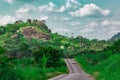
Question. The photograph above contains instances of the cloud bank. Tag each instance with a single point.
(91, 10)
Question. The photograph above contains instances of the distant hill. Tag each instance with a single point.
(115, 37)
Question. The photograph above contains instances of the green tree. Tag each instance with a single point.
(6, 69)
(116, 47)
(44, 64)
(53, 55)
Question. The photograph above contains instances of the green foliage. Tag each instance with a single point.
(23, 46)
(26, 69)
(6, 69)
(29, 73)
(2, 30)
(116, 47)
(107, 69)
(96, 57)
(17, 63)
(2, 50)
(52, 54)
(113, 71)
(103, 65)
(44, 63)
(111, 68)
(37, 73)
(33, 59)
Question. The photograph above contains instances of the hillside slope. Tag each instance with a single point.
(35, 30)
(116, 37)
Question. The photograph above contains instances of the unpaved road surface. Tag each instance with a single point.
(75, 72)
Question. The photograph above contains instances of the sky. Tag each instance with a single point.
(92, 19)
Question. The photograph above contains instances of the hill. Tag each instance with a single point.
(28, 53)
(27, 32)
(116, 37)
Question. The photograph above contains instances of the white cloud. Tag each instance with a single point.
(53, 7)
(68, 4)
(109, 23)
(90, 10)
(62, 9)
(26, 9)
(87, 30)
(6, 19)
(10, 1)
(74, 1)
(43, 7)
(106, 23)
(51, 4)
(22, 10)
(113, 32)
(72, 4)
(43, 17)
(48, 7)
(92, 25)
(115, 27)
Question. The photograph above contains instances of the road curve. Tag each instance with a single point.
(75, 72)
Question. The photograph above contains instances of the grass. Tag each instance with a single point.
(36, 73)
(27, 71)
(108, 69)
(52, 72)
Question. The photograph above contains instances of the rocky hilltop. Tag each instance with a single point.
(30, 29)
(30, 32)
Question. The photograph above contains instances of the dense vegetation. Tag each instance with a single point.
(27, 54)
(30, 51)
(103, 65)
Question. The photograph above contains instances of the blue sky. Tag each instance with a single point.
(93, 19)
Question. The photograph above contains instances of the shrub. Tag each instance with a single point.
(6, 69)
(116, 47)
(113, 71)
(53, 55)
